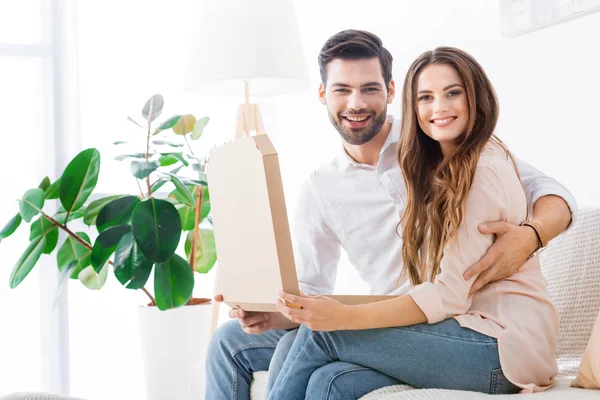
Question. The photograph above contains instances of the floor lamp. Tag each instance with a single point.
(243, 48)
(246, 47)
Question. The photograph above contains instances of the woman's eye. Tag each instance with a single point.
(453, 93)
(425, 97)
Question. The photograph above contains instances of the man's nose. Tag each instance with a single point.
(356, 102)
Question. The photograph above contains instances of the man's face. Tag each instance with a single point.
(356, 98)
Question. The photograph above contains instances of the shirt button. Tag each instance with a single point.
(380, 170)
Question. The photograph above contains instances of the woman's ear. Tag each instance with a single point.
(322, 94)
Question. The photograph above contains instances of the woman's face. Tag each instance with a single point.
(441, 105)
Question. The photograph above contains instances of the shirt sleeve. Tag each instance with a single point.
(488, 200)
(316, 247)
(537, 185)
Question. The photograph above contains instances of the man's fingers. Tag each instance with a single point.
(482, 265)
(256, 328)
(301, 302)
(497, 227)
(219, 297)
(253, 319)
(482, 280)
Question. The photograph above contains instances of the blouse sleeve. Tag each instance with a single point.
(487, 201)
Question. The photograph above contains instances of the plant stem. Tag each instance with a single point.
(149, 295)
(140, 187)
(148, 146)
(84, 243)
(199, 195)
(188, 145)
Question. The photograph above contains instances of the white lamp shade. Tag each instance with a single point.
(257, 41)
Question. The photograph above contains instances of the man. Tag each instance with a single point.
(355, 202)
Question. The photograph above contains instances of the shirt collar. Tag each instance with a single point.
(345, 161)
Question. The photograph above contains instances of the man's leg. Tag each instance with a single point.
(345, 381)
(281, 352)
(232, 357)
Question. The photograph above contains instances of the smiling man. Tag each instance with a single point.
(355, 202)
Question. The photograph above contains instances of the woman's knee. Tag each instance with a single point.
(334, 381)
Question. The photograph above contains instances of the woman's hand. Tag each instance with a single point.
(318, 313)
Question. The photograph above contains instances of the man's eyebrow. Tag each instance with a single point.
(446, 88)
(345, 85)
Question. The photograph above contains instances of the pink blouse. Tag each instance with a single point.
(517, 310)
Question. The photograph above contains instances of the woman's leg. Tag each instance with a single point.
(345, 381)
(442, 355)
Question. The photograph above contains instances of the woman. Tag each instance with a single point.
(458, 175)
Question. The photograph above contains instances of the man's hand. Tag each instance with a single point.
(255, 323)
(513, 245)
(318, 313)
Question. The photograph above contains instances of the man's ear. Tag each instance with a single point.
(391, 91)
(322, 94)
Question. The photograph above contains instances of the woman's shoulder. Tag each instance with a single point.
(495, 159)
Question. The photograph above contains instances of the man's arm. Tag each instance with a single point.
(554, 209)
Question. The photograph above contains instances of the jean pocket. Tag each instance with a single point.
(501, 385)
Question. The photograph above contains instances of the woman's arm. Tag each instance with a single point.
(493, 190)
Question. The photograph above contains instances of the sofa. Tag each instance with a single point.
(571, 265)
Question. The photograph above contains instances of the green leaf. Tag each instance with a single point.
(91, 279)
(79, 179)
(31, 203)
(120, 142)
(199, 128)
(173, 283)
(61, 215)
(131, 268)
(153, 107)
(106, 243)
(165, 161)
(134, 121)
(168, 124)
(185, 124)
(141, 169)
(52, 192)
(44, 184)
(188, 217)
(177, 156)
(91, 213)
(167, 143)
(157, 229)
(194, 182)
(183, 191)
(43, 227)
(117, 212)
(177, 198)
(127, 156)
(27, 261)
(10, 227)
(72, 251)
(206, 252)
(158, 184)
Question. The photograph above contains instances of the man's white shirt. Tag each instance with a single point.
(358, 207)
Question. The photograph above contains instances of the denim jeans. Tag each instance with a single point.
(349, 364)
(233, 355)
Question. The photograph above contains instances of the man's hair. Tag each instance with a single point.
(355, 45)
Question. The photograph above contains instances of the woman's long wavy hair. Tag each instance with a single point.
(437, 186)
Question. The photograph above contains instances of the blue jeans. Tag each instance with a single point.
(350, 364)
(233, 355)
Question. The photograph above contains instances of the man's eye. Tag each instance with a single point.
(371, 90)
(341, 91)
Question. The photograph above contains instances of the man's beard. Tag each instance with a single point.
(359, 136)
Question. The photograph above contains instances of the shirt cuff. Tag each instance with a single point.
(562, 193)
(429, 301)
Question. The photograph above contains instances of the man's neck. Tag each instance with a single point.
(368, 153)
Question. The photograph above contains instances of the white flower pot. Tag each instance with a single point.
(173, 342)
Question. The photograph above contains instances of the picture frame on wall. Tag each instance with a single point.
(521, 16)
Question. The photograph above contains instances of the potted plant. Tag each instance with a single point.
(136, 235)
